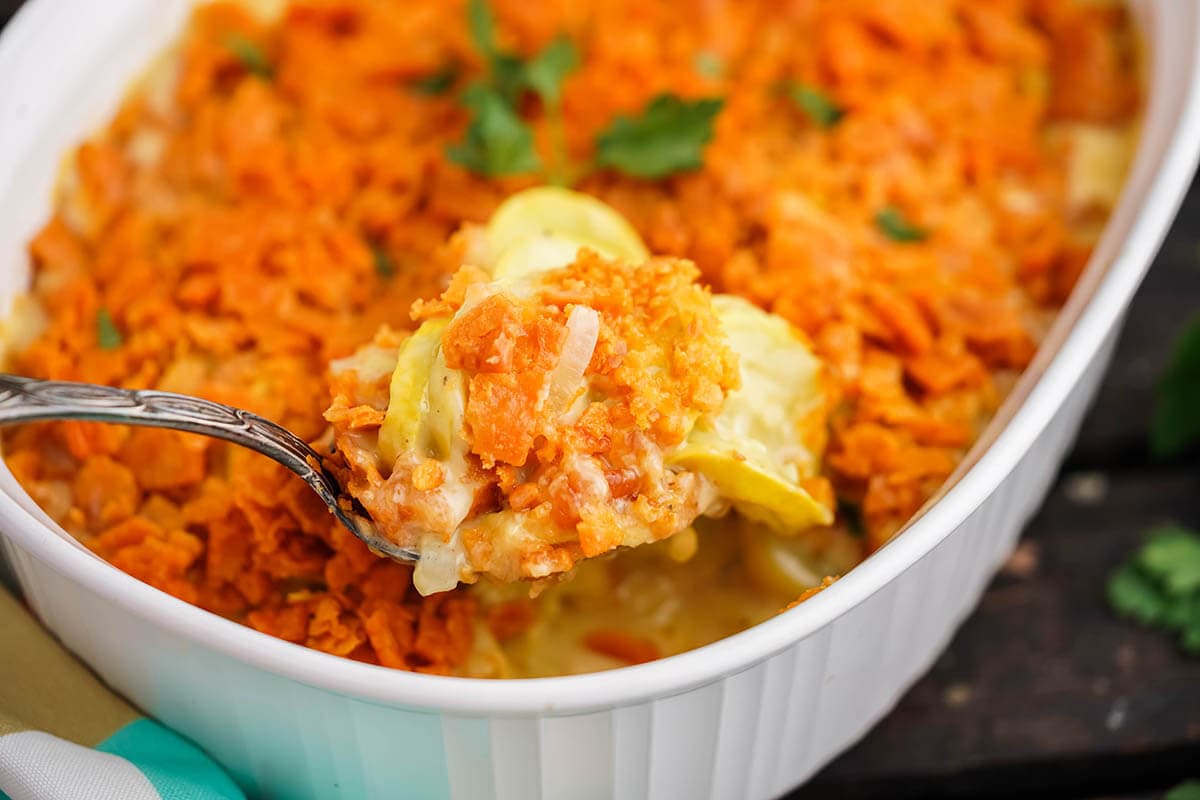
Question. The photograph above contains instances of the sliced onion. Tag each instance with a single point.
(566, 380)
(440, 566)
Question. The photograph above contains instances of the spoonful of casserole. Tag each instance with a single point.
(569, 395)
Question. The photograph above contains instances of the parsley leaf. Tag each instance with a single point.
(815, 104)
(1178, 613)
(436, 83)
(667, 137)
(1134, 595)
(508, 76)
(1188, 790)
(483, 26)
(507, 71)
(1175, 425)
(384, 267)
(497, 141)
(1173, 556)
(1160, 584)
(897, 228)
(1190, 638)
(108, 335)
(545, 72)
(251, 54)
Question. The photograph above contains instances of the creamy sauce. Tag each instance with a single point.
(646, 593)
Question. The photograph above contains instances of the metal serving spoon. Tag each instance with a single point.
(31, 400)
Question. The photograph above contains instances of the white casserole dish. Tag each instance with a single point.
(750, 716)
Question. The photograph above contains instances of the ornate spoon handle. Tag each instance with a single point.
(31, 400)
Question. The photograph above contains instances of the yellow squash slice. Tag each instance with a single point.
(536, 229)
(753, 451)
(408, 397)
(540, 253)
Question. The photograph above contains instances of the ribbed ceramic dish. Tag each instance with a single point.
(747, 717)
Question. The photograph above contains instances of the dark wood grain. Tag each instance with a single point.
(1044, 693)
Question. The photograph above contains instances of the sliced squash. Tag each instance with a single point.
(540, 253)
(560, 215)
(753, 451)
(409, 396)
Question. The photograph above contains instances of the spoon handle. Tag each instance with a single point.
(31, 400)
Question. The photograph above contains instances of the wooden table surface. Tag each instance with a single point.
(1043, 693)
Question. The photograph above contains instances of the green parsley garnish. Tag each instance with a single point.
(1175, 425)
(108, 335)
(251, 54)
(1160, 584)
(483, 27)
(497, 141)
(506, 70)
(708, 64)
(545, 72)
(384, 266)
(1188, 790)
(436, 83)
(894, 225)
(815, 104)
(667, 137)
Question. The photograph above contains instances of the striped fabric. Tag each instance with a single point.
(65, 736)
